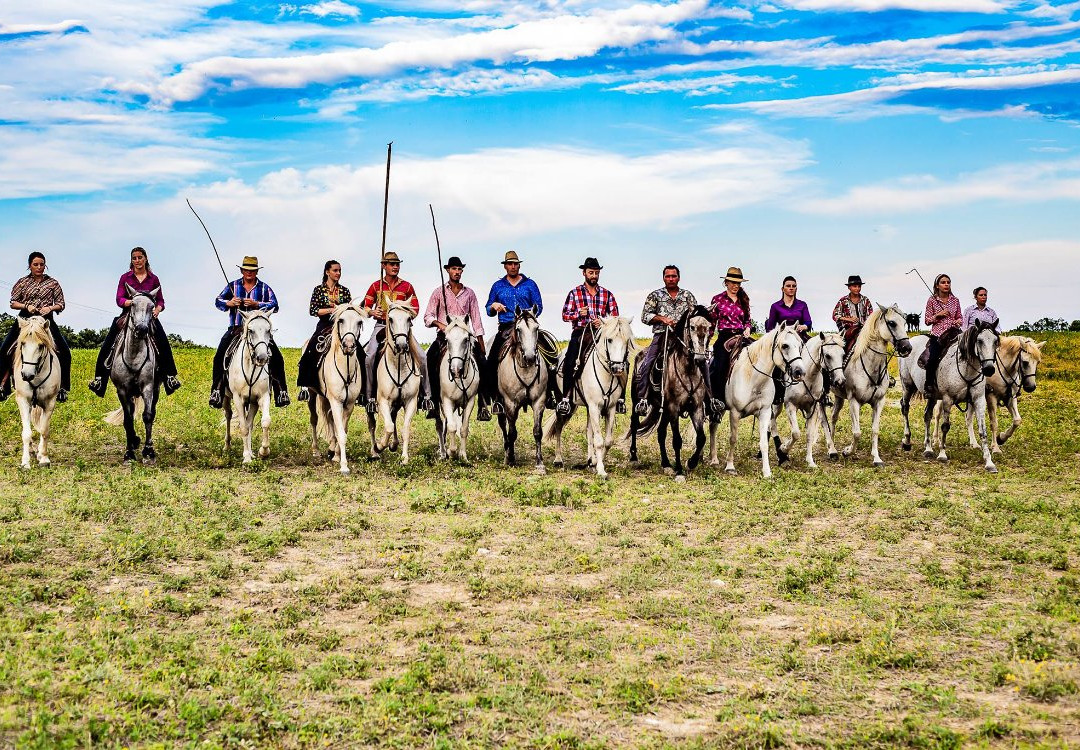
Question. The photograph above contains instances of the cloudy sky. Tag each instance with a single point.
(812, 137)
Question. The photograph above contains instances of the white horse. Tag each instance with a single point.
(599, 388)
(962, 374)
(522, 377)
(1018, 360)
(398, 373)
(35, 376)
(866, 374)
(247, 382)
(750, 389)
(824, 355)
(338, 384)
(459, 382)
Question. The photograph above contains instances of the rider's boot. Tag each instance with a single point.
(97, 386)
(215, 398)
(172, 384)
(642, 407)
(302, 394)
(62, 395)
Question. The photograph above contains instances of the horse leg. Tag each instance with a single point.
(1014, 409)
(337, 412)
(875, 430)
(698, 420)
(313, 420)
(714, 459)
(733, 421)
(905, 412)
(661, 436)
(969, 419)
(442, 425)
(463, 431)
(538, 432)
(406, 427)
(591, 433)
(556, 431)
(634, 422)
(148, 416)
(793, 423)
(27, 430)
(854, 407)
(930, 432)
(980, 416)
(676, 448)
(264, 448)
(226, 407)
(375, 449)
(247, 422)
(813, 424)
(127, 404)
(773, 432)
(945, 421)
(763, 441)
(597, 437)
(387, 424)
(44, 422)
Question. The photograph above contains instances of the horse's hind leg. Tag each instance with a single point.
(27, 431)
(714, 458)
(763, 445)
(733, 420)
(905, 410)
(538, 433)
(313, 420)
(875, 431)
(337, 424)
(148, 416)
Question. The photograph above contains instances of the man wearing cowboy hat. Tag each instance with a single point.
(389, 288)
(662, 310)
(455, 299)
(245, 294)
(851, 311)
(513, 291)
(585, 305)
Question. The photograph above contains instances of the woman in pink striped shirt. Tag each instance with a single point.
(943, 316)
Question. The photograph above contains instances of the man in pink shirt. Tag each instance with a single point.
(455, 299)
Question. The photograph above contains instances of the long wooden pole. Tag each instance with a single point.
(385, 206)
(438, 249)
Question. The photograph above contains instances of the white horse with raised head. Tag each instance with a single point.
(247, 382)
(1018, 361)
(866, 373)
(824, 356)
(522, 377)
(599, 387)
(459, 382)
(750, 389)
(339, 383)
(35, 376)
(398, 373)
(961, 379)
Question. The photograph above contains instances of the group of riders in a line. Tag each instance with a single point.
(38, 293)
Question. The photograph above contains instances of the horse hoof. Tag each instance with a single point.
(601, 476)
(731, 472)
(345, 470)
(25, 467)
(557, 463)
(669, 471)
(905, 446)
(540, 469)
(150, 461)
(943, 459)
(264, 453)
(757, 455)
(44, 463)
(928, 454)
(680, 479)
(781, 459)
(878, 464)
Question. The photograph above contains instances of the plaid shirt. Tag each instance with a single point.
(845, 308)
(47, 291)
(954, 319)
(659, 302)
(322, 299)
(728, 315)
(600, 305)
(262, 293)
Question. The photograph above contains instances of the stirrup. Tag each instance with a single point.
(563, 408)
(620, 406)
(428, 405)
(215, 398)
(717, 406)
(641, 408)
(302, 394)
(172, 384)
(497, 407)
(281, 398)
(97, 387)
(370, 407)
(550, 402)
(483, 414)
(61, 395)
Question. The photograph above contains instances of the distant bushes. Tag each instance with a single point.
(90, 338)
(1048, 324)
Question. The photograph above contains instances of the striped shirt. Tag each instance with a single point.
(953, 320)
(660, 303)
(524, 294)
(461, 303)
(261, 293)
(147, 284)
(986, 315)
(728, 315)
(581, 307)
(40, 293)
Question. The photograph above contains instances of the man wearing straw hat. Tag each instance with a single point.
(245, 294)
(585, 305)
(456, 299)
(390, 288)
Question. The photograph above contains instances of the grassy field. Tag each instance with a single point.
(197, 603)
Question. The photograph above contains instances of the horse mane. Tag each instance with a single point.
(38, 332)
(458, 321)
(691, 312)
(614, 326)
(869, 329)
(754, 350)
(1011, 346)
(967, 344)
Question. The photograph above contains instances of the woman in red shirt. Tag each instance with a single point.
(942, 315)
(730, 311)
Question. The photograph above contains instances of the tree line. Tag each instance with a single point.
(91, 338)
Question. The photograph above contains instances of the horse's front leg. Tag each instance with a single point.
(44, 425)
(875, 430)
(813, 425)
(763, 441)
(375, 449)
(905, 412)
(714, 458)
(661, 437)
(854, 407)
(969, 419)
(733, 421)
(793, 424)
(406, 427)
(598, 439)
(463, 430)
(538, 432)
(313, 420)
(945, 420)
(226, 407)
(27, 430)
(127, 405)
(980, 416)
(149, 414)
(264, 448)
(676, 448)
(247, 421)
(697, 418)
(338, 420)
(443, 425)
(1014, 409)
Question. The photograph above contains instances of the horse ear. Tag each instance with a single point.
(1039, 345)
(879, 306)
(534, 311)
(994, 324)
(154, 293)
(22, 321)
(129, 289)
(468, 320)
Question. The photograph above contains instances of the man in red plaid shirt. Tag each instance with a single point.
(585, 305)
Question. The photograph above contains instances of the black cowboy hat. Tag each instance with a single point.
(854, 279)
(454, 261)
(591, 263)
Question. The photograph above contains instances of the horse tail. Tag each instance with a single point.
(549, 427)
(116, 416)
(647, 424)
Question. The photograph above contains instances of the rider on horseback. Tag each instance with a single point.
(139, 278)
(943, 316)
(662, 310)
(851, 311)
(324, 298)
(247, 293)
(585, 305)
(730, 312)
(459, 300)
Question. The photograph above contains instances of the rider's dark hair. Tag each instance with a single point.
(673, 268)
(744, 302)
(140, 250)
(787, 279)
(976, 290)
(33, 255)
(326, 268)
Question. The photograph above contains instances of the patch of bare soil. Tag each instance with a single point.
(436, 593)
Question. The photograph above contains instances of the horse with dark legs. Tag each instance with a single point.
(458, 375)
(866, 374)
(599, 388)
(961, 379)
(133, 372)
(522, 381)
(683, 392)
(751, 389)
(1018, 361)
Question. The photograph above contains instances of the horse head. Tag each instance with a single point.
(1030, 363)
(787, 350)
(832, 357)
(980, 346)
(527, 333)
(399, 318)
(348, 320)
(35, 343)
(694, 329)
(459, 344)
(890, 327)
(617, 339)
(257, 334)
(141, 311)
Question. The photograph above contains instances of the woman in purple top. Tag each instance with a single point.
(731, 313)
(791, 310)
(140, 279)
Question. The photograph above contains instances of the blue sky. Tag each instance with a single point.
(811, 137)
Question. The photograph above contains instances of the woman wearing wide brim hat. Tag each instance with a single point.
(730, 312)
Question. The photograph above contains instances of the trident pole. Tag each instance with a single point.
(438, 249)
(385, 206)
(216, 254)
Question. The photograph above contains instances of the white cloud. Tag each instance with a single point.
(1064, 11)
(331, 8)
(1018, 183)
(59, 27)
(927, 6)
(701, 86)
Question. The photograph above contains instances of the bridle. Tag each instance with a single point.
(407, 355)
(786, 380)
(519, 352)
(37, 371)
(883, 373)
(352, 367)
(121, 345)
(607, 364)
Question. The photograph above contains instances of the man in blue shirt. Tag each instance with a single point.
(512, 292)
(247, 293)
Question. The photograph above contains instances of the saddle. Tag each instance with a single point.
(735, 346)
(232, 347)
(945, 340)
(588, 343)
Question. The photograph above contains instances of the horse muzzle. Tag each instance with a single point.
(903, 347)
(29, 372)
(796, 373)
(988, 370)
(618, 368)
(528, 359)
(1029, 388)
(141, 331)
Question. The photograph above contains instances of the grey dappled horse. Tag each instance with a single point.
(133, 371)
(522, 377)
